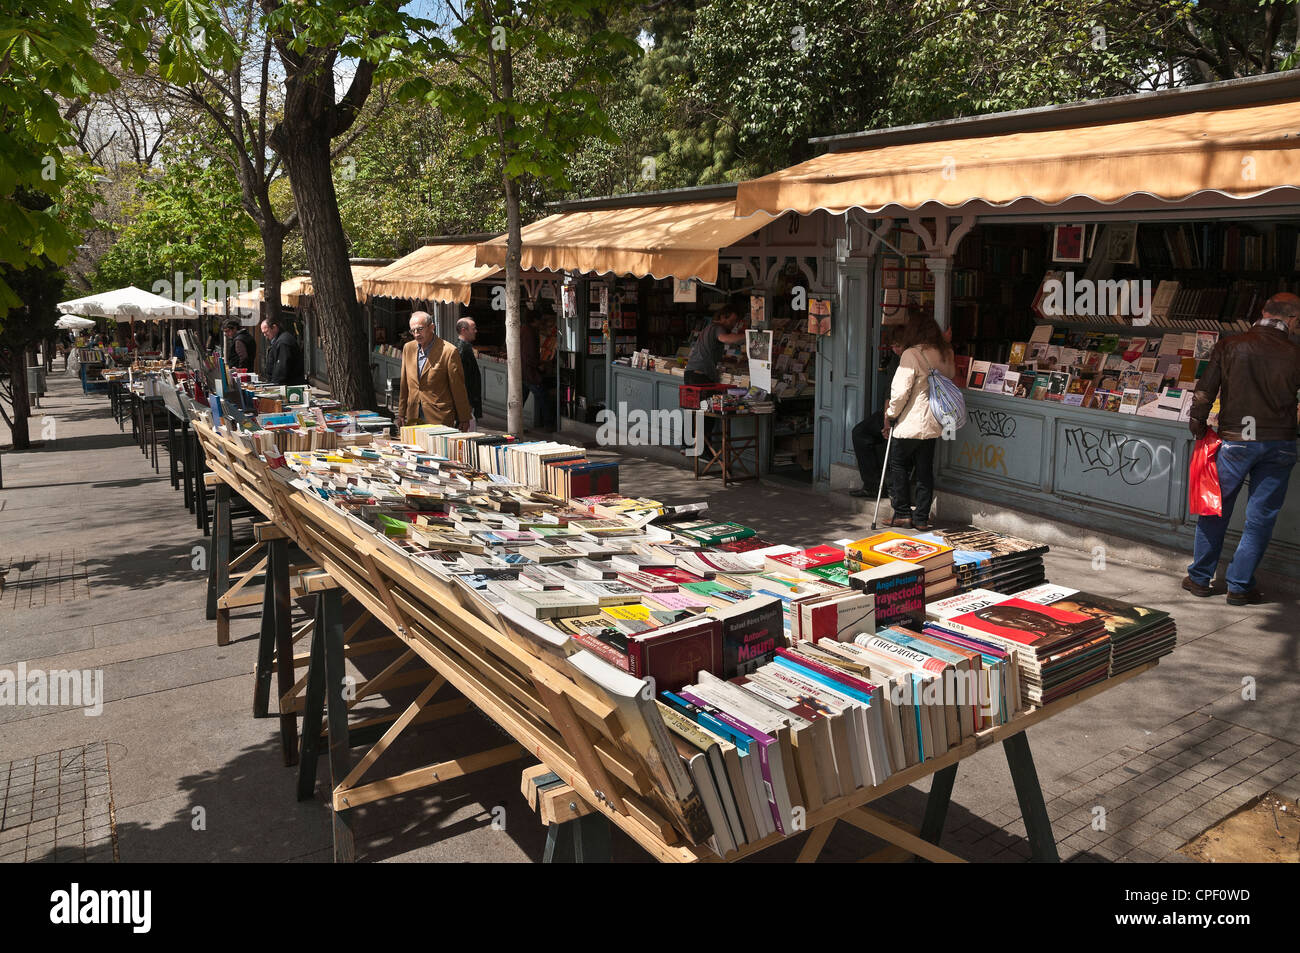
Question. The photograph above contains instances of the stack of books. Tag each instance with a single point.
(932, 555)
(1137, 634)
(989, 560)
(1057, 652)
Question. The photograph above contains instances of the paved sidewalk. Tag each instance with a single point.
(103, 577)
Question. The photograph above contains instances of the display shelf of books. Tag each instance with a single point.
(704, 688)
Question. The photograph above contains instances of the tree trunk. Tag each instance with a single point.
(306, 155)
(273, 274)
(514, 362)
(22, 404)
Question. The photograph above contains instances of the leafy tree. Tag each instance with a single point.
(530, 131)
(38, 287)
(46, 60)
(189, 219)
(314, 41)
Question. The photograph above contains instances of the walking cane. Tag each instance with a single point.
(884, 468)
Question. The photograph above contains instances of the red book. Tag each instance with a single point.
(810, 558)
(673, 574)
(675, 654)
(1042, 628)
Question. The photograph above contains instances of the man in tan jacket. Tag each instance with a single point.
(433, 381)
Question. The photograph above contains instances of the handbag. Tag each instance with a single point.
(947, 403)
(1204, 496)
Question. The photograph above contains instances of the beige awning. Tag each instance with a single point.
(1240, 152)
(679, 240)
(293, 290)
(443, 272)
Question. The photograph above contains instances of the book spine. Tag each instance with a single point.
(761, 741)
(830, 672)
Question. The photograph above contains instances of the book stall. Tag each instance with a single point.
(1086, 259)
(709, 691)
(647, 273)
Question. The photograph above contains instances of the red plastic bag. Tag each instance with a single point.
(1204, 497)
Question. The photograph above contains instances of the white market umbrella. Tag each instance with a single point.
(72, 323)
(129, 302)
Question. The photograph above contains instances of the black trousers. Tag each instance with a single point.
(904, 455)
(869, 448)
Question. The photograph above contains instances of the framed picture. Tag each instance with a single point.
(1121, 243)
(891, 275)
(915, 276)
(1067, 243)
(684, 290)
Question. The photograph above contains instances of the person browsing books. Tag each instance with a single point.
(1255, 376)
(241, 350)
(466, 332)
(868, 433)
(433, 380)
(702, 367)
(284, 363)
(703, 364)
(915, 429)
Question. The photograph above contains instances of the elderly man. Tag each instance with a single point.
(433, 381)
(1255, 376)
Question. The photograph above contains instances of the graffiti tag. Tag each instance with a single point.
(994, 423)
(1112, 454)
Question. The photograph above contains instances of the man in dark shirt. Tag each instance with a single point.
(284, 364)
(868, 433)
(241, 351)
(530, 353)
(1255, 376)
(467, 331)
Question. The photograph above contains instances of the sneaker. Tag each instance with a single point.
(921, 523)
(1196, 589)
(899, 521)
(1252, 598)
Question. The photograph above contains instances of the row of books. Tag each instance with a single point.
(560, 469)
(782, 677)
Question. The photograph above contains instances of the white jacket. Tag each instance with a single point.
(909, 394)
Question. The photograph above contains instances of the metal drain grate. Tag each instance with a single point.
(31, 582)
(57, 806)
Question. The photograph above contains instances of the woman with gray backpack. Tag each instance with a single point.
(922, 400)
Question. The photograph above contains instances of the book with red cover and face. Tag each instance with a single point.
(807, 558)
(1043, 628)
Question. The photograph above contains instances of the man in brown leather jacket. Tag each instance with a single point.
(1255, 376)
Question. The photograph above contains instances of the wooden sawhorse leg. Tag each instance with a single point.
(581, 841)
(219, 555)
(276, 641)
(325, 674)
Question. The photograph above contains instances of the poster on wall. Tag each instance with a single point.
(569, 301)
(756, 313)
(819, 316)
(758, 346)
(1067, 243)
(684, 290)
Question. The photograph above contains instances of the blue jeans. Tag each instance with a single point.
(1267, 464)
